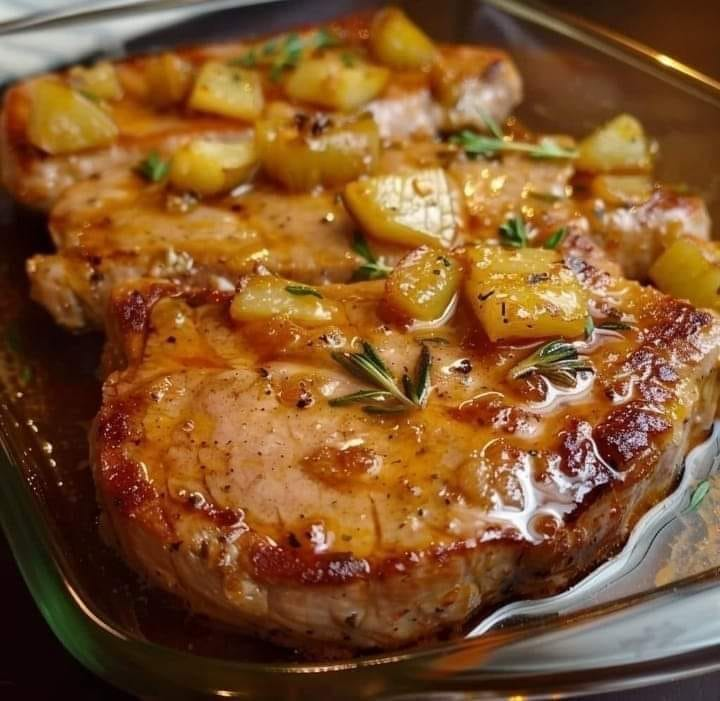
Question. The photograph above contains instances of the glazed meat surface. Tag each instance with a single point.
(231, 480)
(379, 357)
(118, 227)
(148, 120)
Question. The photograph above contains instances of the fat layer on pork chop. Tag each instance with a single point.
(233, 476)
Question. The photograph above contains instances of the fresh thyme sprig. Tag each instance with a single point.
(284, 53)
(610, 325)
(555, 239)
(388, 397)
(303, 291)
(373, 268)
(153, 168)
(475, 144)
(614, 326)
(558, 361)
(514, 233)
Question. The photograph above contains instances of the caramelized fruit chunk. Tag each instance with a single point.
(227, 90)
(264, 297)
(63, 121)
(413, 209)
(422, 285)
(321, 154)
(169, 78)
(690, 269)
(620, 146)
(525, 293)
(398, 42)
(211, 167)
(330, 82)
(98, 81)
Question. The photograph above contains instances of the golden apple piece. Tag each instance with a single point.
(99, 81)
(413, 209)
(620, 146)
(398, 42)
(622, 189)
(690, 269)
(525, 293)
(62, 120)
(266, 297)
(228, 90)
(302, 159)
(212, 167)
(422, 285)
(169, 79)
(330, 82)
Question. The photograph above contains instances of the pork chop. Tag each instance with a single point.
(487, 84)
(230, 480)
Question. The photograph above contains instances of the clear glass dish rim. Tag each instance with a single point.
(92, 640)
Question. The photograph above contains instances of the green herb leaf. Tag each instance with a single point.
(558, 361)
(269, 48)
(555, 239)
(372, 268)
(514, 233)
(290, 55)
(153, 168)
(475, 144)
(325, 39)
(492, 126)
(589, 327)
(348, 59)
(303, 291)
(388, 397)
(248, 60)
(614, 326)
(25, 375)
(698, 496)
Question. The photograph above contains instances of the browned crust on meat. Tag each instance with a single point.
(619, 452)
(121, 482)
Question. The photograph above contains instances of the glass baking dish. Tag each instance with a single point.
(650, 614)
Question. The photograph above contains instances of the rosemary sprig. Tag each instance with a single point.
(514, 233)
(303, 291)
(589, 327)
(614, 326)
(153, 168)
(373, 268)
(475, 144)
(388, 397)
(698, 496)
(605, 325)
(558, 361)
(555, 239)
(491, 125)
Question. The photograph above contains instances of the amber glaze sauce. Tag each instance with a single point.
(49, 377)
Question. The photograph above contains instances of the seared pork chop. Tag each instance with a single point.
(477, 82)
(231, 479)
